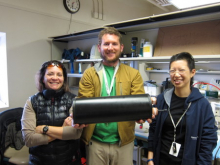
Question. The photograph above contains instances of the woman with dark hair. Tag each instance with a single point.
(46, 117)
(185, 132)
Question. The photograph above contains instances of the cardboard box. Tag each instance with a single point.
(201, 38)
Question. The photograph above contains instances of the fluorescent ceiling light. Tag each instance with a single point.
(182, 4)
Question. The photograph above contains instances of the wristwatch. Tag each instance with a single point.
(148, 160)
(45, 129)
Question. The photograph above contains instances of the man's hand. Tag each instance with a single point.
(154, 112)
(79, 126)
(154, 109)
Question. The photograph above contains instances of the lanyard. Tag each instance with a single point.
(109, 89)
(178, 120)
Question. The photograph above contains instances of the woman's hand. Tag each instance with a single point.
(68, 121)
(50, 139)
(39, 129)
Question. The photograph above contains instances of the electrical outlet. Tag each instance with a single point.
(217, 113)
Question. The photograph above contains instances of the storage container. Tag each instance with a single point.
(147, 50)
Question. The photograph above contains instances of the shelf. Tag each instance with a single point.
(209, 72)
(77, 75)
(92, 33)
(157, 71)
(200, 14)
(166, 71)
(74, 75)
(197, 62)
(163, 59)
(122, 59)
(88, 60)
(198, 58)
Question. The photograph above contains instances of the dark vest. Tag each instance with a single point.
(51, 109)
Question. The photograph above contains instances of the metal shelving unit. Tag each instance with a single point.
(198, 58)
(212, 12)
(197, 72)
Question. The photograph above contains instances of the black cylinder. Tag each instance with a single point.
(112, 109)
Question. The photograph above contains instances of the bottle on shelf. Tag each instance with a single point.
(148, 50)
(134, 41)
(80, 68)
(141, 47)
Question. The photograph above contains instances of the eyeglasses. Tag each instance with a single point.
(52, 64)
(181, 71)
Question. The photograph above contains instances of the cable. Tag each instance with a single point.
(208, 84)
(70, 23)
(93, 12)
(98, 8)
(102, 10)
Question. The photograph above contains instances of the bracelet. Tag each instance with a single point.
(149, 160)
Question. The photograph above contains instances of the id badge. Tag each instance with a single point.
(174, 149)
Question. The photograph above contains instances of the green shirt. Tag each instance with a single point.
(107, 132)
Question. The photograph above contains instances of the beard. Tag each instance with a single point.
(110, 60)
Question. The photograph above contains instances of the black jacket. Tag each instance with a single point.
(51, 109)
(201, 132)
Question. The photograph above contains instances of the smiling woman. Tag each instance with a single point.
(53, 78)
(3, 72)
(187, 125)
(45, 120)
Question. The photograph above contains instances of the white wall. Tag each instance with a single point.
(29, 23)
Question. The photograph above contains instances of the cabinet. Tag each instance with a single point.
(147, 28)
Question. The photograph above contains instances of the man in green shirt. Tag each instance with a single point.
(110, 143)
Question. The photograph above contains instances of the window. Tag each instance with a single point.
(3, 72)
(181, 4)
